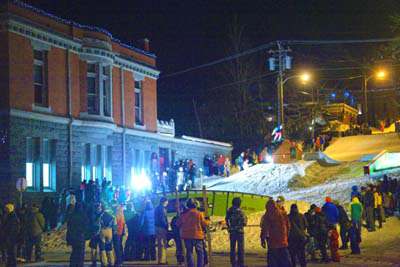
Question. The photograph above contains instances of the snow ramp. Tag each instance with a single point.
(352, 148)
(320, 156)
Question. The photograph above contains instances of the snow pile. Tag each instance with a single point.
(264, 179)
(351, 148)
(55, 240)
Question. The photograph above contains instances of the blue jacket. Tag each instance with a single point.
(354, 192)
(331, 212)
(147, 221)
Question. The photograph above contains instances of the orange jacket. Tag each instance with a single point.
(275, 226)
(191, 224)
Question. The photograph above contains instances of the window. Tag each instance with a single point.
(138, 103)
(40, 78)
(99, 89)
(40, 165)
(96, 162)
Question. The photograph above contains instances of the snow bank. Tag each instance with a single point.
(264, 179)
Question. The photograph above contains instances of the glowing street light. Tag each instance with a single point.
(305, 77)
(380, 75)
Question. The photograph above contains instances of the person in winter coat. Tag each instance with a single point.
(35, 228)
(11, 228)
(388, 203)
(22, 238)
(118, 235)
(108, 226)
(377, 206)
(177, 238)
(161, 223)
(227, 166)
(191, 224)
(333, 238)
(235, 221)
(344, 223)
(77, 227)
(356, 209)
(321, 232)
(148, 230)
(354, 192)
(331, 211)
(220, 164)
(297, 236)
(369, 203)
(274, 232)
(94, 228)
(311, 244)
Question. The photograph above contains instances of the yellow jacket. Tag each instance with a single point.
(378, 199)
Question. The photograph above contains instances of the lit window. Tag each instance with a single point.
(46, 176)
(29, 174)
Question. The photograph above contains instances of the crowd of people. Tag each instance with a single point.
(95, 215)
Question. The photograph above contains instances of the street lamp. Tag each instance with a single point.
(305, 77)
(380, 75)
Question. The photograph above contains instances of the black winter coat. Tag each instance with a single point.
(160, 216)
(369, 200)
(343, 217)
(321, 226)
(11, 228)
(298, 226)
(77, 227)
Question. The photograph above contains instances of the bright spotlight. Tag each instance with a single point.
(140, 181)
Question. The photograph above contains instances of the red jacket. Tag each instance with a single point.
(275, 226)
(191, 224)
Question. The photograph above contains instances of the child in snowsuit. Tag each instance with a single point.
(355, 239)
(333, 236)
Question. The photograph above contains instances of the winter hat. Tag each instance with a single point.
(328, 199)
(318, 209)
(163, 199)
(280, 199)
(313, 206)
(362, 187)
(10, 207)
(335, 202)
(191, 203)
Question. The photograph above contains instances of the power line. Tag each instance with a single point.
(286, 42)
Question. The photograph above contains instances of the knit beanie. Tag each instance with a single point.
(328, 199)
(10, 207)
(318, 209)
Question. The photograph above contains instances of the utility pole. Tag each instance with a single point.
(280, 59)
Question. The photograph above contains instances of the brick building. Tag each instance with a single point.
(78, 104)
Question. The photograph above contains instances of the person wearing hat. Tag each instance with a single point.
(236, 220)
(11, 228)
(297, 236)
(191, 224)
(35, 227)
(321, 232)
(161, 223)
(331, 211)
(281, 201)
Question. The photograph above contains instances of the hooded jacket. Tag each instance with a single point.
(355, 209)
(191, 224)
(147, 220)
(331, 212)
(275, 226)
(298, 225)
(354, 192)
(35, 223)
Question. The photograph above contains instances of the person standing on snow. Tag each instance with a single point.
(355, 213)
(331, 211)
(35, 226)
(321, 232)
(161, 223)
(11, 227)
(369, 203)
(148, 230)
(236, 220)
(191, 224)
(297, 236)
(333, 238)
(77, 227)
(344, 223)
(275, 227)
(227, 166)
(118, 235)
(377, 206)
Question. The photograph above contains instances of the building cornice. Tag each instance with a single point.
(22, 27)
(118, 129)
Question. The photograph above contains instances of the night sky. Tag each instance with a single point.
(188, 33)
